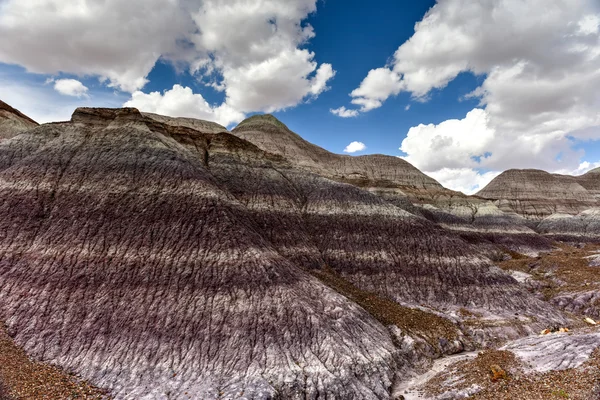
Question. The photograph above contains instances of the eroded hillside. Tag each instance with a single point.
(168, 258)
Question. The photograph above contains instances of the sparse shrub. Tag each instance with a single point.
(561, 393)
(497, 256)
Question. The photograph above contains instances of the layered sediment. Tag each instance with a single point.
(162, 257)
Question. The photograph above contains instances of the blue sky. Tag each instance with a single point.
(471, 90)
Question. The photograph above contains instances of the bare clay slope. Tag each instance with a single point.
(157, 260)
(13, 122)
(273, 136)
(358, 238)
(536, 194)
(123, 261)
(399, 183)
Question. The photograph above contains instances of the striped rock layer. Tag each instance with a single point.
(536, 194)
(476, 219)
(164, 258)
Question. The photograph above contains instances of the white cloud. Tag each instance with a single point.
(182, 102)
(256, 48)
(540, 63)
(254, 52)
(355, 147)
(318, 84)
(451, 144)
(43, 103)
(379, 84)
(343, 112)
(581, 169)
(70, 87)
(466, 180)
(119, 41)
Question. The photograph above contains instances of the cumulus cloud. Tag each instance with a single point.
(355, 147)
(451, 144)
(540, 63)
(49, 106)
(466, 180)
(256, 48)
(119, 41)
(343, 112)
(379, 84)
(70, 87)
(581, 169)
(183, 102)
(253, 52)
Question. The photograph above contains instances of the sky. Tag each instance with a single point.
(461, 89)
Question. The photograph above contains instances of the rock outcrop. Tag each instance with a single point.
(160, 257)
(192, 123)
(124, 261)
(13, 122)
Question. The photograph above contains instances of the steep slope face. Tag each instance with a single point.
(536, 194)
(124, 261)
(364, 240)
(269, 134)
(13, 122)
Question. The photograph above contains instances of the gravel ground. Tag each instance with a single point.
(582, 383)
(24, 379)
(566, 269)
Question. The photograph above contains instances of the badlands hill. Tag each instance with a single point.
(591, 181)
(271, 135)
(535, 194)
(166, 258)
(559, 206)
(13, 121)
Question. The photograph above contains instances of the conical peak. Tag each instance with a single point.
(262, 120)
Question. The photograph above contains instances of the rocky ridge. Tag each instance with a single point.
(591, 181)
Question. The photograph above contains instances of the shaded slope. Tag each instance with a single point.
(581, 227)
(372, 244)
(12, 121)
